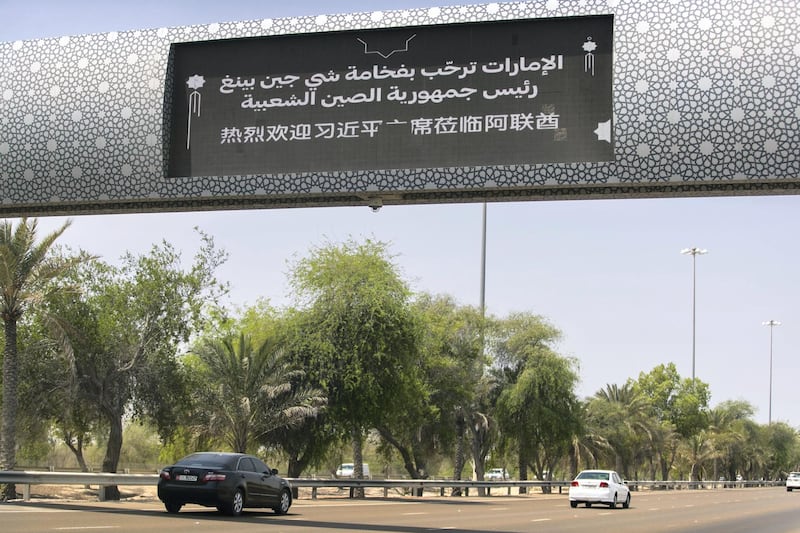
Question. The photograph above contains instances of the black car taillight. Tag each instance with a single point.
(164, 474)
(214, 476)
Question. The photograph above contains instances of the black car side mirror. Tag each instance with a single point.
(274, 471)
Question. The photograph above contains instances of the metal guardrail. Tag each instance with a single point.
(103, 479)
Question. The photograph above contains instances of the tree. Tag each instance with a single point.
(623, 417)
(679, 405)
(49, 392)
(26, 270)
(537, 409)
(123, 335)
(450, 362)
(361, 342)
(587, 445)
(728, 427)
(251, 392)
(307, 440)
(783, 446)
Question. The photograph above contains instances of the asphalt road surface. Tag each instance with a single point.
(757, 510)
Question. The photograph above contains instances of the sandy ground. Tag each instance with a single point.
(137, 493)
(80, 492)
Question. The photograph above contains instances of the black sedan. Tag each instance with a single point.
(228, 481)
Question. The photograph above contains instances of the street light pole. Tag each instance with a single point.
(771, 324)
(694, 252)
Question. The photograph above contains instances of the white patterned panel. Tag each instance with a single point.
(706, 99)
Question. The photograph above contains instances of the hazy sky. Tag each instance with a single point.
(607, 273)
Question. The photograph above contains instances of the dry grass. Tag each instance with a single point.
(149, 493)
(81, 492)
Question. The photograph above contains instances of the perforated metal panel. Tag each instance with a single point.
(706, 102)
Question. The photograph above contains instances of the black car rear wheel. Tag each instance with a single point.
(172, 507)
(284, 503)
(235, 505)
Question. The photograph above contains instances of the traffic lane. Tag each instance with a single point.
(706, 511)
(767, 510)
(401, 515)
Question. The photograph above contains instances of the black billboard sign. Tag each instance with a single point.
(522, 91)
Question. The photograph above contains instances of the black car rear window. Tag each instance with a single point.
(210, 460)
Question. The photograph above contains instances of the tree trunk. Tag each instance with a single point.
(358, 463)
(113, 450)
(77, 450)
(9, 429)
(480, 430)
(574, 457)
(664, 468)
(522, 465)
(460, 458)
(296, 466)
(409, 462)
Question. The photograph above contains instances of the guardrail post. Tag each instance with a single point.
(26, 492)
(313, 493)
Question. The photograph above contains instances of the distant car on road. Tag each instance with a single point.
(496, 474)
(793, 481)
(348, 470)
(228, 481)
(599, 486)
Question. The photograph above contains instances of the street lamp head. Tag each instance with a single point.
(771, 323)
(694, 251)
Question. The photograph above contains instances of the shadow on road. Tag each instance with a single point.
(256, 516)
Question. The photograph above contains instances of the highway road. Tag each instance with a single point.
(756, 510)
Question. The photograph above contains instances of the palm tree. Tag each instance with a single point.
(729, 436)
(587, 445)
(253, 392)
(26, 270)
(621, 415)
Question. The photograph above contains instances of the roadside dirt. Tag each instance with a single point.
(137, 493)
(80, 492)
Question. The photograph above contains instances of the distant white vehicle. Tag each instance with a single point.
(793, 481)
(347, 469)
(496, 474)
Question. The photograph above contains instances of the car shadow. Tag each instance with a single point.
(256, 516)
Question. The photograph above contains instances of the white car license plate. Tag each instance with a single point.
(182, 477)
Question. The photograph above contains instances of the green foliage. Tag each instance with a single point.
(120, 339)
(684, 403)
(27, 273)
(104, 365)
(623, 416)
(450, 362)
(250, 392)
(142, 446)
(537, 408)
(360, 335)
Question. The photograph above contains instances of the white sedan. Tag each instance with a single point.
(793, 481)
(599, 486)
